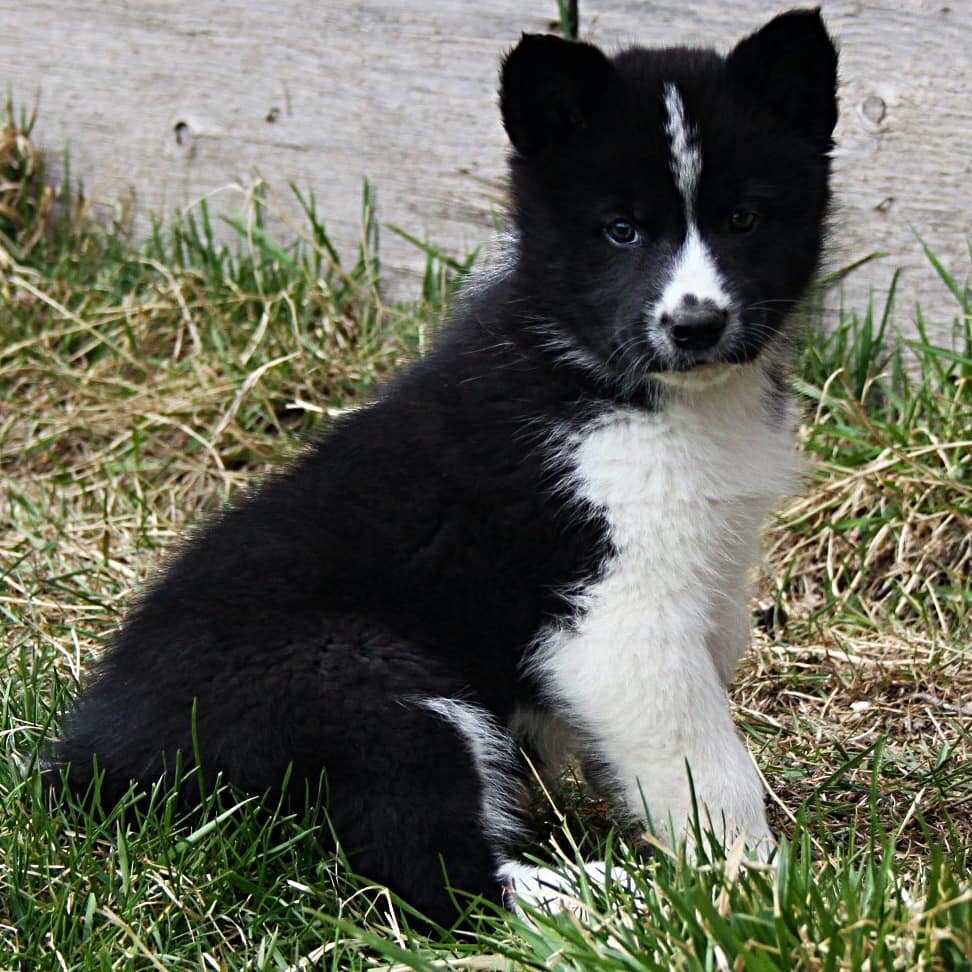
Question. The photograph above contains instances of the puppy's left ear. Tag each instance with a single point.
(549, 90)
(791, 65)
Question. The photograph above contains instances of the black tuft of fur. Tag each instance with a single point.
(791, 65)
(550, 89)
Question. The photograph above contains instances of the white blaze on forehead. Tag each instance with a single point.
(694, 272)
(686, 157)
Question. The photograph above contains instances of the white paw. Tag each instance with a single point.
(754, 842)
(721, 794)
(541, 887)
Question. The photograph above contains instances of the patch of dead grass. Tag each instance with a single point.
(892, 537)
(848, 719)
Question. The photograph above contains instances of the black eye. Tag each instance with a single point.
(622, 232)
(742, 220)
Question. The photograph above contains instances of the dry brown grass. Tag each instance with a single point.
(856, 724)
(863, 660)
(891, 537)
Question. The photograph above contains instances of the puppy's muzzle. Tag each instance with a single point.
(695, 325)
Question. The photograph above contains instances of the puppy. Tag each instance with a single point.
(545, 526)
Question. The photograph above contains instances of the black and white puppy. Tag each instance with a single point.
(544, 526)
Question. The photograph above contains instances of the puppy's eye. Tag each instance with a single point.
(742, 220)
(622, 232)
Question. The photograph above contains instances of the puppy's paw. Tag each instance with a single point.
(712, 842)
(719, 798)
(541, 887)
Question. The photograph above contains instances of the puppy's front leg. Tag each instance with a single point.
(647, 693)
(685, 744)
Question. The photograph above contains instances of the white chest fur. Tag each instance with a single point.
(642, 671)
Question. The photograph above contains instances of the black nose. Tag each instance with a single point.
(695, 326)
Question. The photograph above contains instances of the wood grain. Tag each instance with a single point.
(163, 103)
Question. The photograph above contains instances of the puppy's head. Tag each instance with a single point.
(670, 204)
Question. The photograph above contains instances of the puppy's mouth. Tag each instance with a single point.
(706, 348)
(718, 347)
(707, 367)
(703, 374)
(682, 365)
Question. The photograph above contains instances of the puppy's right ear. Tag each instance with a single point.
(549, 89)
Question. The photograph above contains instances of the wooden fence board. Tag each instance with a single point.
(164, 103)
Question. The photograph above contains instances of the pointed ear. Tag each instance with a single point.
(549, 89)
(791, 65)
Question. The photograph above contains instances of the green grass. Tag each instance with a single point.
(140, 387)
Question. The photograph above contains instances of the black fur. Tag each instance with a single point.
(423, 543)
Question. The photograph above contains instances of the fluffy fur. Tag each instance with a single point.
(544, 524)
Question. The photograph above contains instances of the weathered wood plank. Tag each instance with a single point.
(167, 103)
